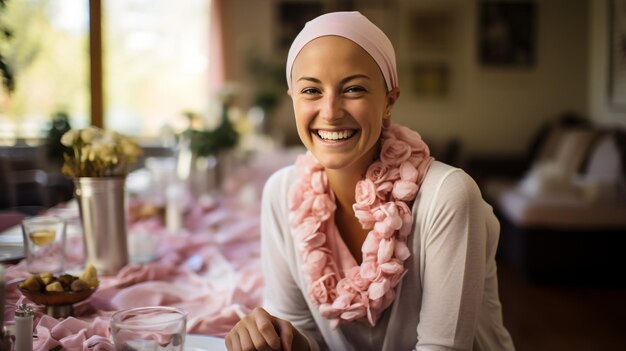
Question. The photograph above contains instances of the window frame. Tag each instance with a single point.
(96, 84)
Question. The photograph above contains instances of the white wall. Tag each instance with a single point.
(490, 110)
(601, 110)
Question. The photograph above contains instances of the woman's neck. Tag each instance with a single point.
(343, 181)
(343, 184)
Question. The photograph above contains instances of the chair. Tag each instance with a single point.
(23, 190)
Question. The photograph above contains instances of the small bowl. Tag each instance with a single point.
(58, 304)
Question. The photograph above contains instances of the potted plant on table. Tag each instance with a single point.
(204, 155)
(98, 161)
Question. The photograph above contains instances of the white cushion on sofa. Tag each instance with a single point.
(555, 173)
(550, 197)
(603, 175)
(562, 211)
(572, 150)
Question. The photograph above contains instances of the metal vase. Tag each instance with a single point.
(101, 202)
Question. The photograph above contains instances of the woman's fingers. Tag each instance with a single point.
(267, 334)
(257, 331)
(285, 330)
(232, 341)
(245, 341)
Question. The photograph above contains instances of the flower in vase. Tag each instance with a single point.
(205, 143)
(97, 152)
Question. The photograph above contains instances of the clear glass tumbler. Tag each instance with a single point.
(44, 244)
(157, 328)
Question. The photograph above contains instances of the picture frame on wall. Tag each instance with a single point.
(507, 33)
(430, 79)
(617, 54)
(432, 31)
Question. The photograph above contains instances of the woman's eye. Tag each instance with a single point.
(309, 91)
(355, 89)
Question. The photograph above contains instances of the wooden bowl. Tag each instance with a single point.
(57, 298)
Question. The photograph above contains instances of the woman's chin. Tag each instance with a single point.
(338, 161)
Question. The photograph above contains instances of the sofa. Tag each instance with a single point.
(564, 219)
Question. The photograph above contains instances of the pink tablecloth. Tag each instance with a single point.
(211, 269)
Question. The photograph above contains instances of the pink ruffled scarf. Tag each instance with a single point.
(382, 205)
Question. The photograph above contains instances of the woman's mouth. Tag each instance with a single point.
(335, 135)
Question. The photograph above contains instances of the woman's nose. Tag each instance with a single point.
(332, 107)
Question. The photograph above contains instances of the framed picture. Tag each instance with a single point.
(431, 31)
(430, 79)
(617, 54)
(292, 16)
(507, 33)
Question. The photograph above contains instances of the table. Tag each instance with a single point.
(211, 268)
(11, 244)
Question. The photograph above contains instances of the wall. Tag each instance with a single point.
(490, 110)
(601, 111)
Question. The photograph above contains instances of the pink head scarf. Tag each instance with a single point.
(353, 26)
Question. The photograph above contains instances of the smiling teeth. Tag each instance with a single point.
(345, 134)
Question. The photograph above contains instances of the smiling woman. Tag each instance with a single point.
(332, 104)
(367, 242)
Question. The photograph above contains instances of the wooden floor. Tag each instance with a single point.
(555, 318)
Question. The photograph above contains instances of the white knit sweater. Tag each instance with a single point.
(448, 300)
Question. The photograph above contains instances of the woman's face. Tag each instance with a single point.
(340, 99)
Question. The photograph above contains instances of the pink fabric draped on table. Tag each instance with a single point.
(211, 269)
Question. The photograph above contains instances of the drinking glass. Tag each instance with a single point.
(44, 244)
(156, 328)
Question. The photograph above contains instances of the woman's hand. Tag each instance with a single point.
(261, 331)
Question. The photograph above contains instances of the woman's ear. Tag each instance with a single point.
(289, 92)
(392, 97)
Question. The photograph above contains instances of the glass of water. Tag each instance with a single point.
(44, 244)
(156, 328)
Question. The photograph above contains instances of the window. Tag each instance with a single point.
(48, 54)
(155, 56)
(155, 62)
